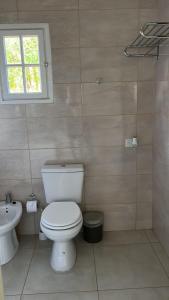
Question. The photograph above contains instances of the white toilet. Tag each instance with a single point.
(62, 219)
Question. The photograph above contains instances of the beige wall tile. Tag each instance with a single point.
(144, 160)
(144, 129)
(8, 17)
(26, 224)
(38, 190)
(144, 188)
(66, 65)
(148, 3)
(164, 10)
(63, 25)
(148, 15)
(116, 216)
(109, 161)
(109, 98)
(110, 190)
(147, 68)
(41, 156)
(32, 5)
(13, 134)
(108, 131)
(162, 66)
(144, 215)
(107, 4)
(12, 111)
(67, 102)
(14, 164)
(20, 189)
(8, 5)
(54, 132)
(110, 64)
(107, 28)
(146, 97)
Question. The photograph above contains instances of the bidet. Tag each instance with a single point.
(10, 214)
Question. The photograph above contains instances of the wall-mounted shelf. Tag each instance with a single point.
(148, 42)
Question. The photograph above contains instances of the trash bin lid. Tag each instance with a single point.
(93, 218)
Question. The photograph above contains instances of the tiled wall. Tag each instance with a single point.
(161, 142)
(88, 122)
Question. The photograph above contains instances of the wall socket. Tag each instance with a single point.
(131, 143)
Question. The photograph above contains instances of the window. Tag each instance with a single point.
(25, 64)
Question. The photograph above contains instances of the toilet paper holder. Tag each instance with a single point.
(32, 204)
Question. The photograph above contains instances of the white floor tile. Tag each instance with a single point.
(42, 278)
(15, 272)
(129, 266)
(139, 294)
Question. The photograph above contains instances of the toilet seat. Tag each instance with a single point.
(61, 215)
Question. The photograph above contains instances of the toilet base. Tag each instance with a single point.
(9, 245)
(63, 256)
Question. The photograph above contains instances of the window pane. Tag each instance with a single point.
(12, 49)
(31, 49)
(15, 80)
(33, 79)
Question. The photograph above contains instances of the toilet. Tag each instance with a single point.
(62, 219)
(10, 215)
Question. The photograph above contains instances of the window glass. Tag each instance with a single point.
(12, 50)
(33, 79)
(15, 80)
(31, 49)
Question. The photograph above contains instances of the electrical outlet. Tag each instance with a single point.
(131, 143)
(128, 143)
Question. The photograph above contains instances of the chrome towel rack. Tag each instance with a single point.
(147, 43)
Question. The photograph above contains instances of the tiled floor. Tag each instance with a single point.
(126, 265)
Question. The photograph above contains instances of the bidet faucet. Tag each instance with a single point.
(8, 198)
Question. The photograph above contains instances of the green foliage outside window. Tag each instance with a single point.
(29, 56)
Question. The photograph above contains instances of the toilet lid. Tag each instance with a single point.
(61, 215)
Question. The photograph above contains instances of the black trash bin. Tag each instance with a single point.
(93, 226)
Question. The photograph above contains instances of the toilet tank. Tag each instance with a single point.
(63, 182)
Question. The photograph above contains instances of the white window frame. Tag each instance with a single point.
(42, 31)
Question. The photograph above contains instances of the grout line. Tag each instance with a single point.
(30, 166)
(33, 251)
(121, 82)
(73, 147)
(122, 244)
(84, 116)
(91, 291)
(79, 116)
(93, 251)
(137, 170)
(62, 292)
(81, 9)
(151, 244)
(17, 11)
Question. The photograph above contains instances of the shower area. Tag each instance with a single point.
(152, 41)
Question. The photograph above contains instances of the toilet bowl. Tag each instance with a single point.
(10, 215)
(61, 222)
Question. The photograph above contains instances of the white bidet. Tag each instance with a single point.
(10, 215)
